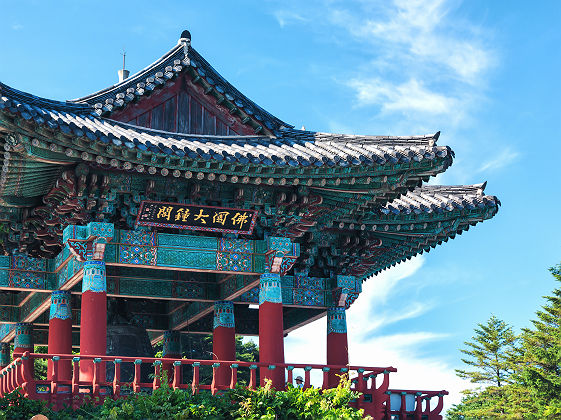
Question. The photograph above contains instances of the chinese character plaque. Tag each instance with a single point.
(189, 216)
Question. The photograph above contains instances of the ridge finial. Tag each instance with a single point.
(185, 36)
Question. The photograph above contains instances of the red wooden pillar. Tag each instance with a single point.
(337, 346)
(271, 331)
(4, 355)
(60, 333)
(23, 340)
(223, 340)
(171, 349)
(93, 319)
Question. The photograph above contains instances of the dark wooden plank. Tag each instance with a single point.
(196, 117)
(144, 119)
(169, 115)
(209, 122)
(183, 113)
(158, 117)
(221, 128)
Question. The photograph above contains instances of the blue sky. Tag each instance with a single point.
(486, 74)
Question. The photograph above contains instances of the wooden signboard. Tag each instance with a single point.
(190, 216)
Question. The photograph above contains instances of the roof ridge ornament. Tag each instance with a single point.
(185, 37)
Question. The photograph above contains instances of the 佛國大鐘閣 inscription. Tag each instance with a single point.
(188, 216)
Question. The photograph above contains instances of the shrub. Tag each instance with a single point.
(167, 403)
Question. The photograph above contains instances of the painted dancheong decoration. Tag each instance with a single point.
(174, 204)
(60, 305)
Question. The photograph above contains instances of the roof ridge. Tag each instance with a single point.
(360, 137)
(167, 67)
(131, 79)
(30, 99)
(479, 187)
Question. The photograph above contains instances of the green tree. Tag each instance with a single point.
(491, 359)
(491, 353)
(528, 384)
(541, 370)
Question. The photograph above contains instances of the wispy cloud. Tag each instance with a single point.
(504, 158)
(419, 58)
(17, 27)
(408, 96)
(441, 60)
(421, 32)
(401, 349)
(287, 17)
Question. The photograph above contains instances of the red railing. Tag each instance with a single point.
(375, 400)
(400, 403)
(394, 404)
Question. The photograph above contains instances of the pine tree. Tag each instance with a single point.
(541, 371)
(490, 353)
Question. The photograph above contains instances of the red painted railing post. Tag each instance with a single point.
(234, 379)
(96, 377)
(117, 378)
(9, 379)
(435, 414)
(418, 406)
(54, 375)
(4, 382)
(325, 384)
(176, 384)
(25, 376)
(290, 375)
(136, 380)
(360, 387)
(252, 376)
(195, 382)
(3, 388)
(213, 387)
(156, 382)
(307, 370)
(403, 408)
(75, 376)
(426, 411)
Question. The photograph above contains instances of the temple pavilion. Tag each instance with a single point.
(170, 204)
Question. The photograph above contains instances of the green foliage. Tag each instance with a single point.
(531, 368)
(13, 406)
(267, 404)
(542, 349)
(166, 403)
(40, 365)
(490, 353)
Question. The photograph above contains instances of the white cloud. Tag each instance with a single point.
(408, 96)
(400, 349)
(419, 32)
(418, 57)
(505, 158)
(287, 17)
(17, 27)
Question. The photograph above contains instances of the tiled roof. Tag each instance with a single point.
(439, 199)
(290, 147)
(168, 67)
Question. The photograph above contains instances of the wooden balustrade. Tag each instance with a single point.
(375, 400)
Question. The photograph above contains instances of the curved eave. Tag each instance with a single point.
(408, 233)
(321, 159)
